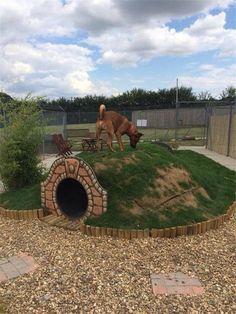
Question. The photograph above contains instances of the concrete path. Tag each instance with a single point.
(228, 162)
(49, 160)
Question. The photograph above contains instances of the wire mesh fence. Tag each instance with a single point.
(156, 125)
(203, 123)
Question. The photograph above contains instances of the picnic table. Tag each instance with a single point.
(89, 144)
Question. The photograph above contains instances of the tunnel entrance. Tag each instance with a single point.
(72, 190)
(72, 198)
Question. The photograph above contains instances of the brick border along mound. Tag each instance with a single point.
(171, 232)
(18, 214)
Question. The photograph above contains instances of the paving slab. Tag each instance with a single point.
(226, 161)
(14, 266)
(175, 283)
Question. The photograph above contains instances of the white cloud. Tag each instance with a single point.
(210, 77)
(62, 69)
(80, 82)
(99, 16)
(20, 20)
(126, 33)
(130, 48)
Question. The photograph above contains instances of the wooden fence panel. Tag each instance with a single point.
(219, 135)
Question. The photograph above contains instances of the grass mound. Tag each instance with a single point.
(150, 187)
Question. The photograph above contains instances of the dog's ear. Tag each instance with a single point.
(140, 134)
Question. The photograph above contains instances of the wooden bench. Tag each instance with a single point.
(76, 135)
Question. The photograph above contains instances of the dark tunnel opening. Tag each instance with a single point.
(72, 198)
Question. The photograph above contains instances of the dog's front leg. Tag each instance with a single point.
(119, 140)
(109, 141)
(98, 134)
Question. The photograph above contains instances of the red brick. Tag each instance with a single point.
(97, 201)
(53, 178)
(50, 205)
(48, 195)
(60, 169)
(95, 192)
(97, 210)
(88, 181)
(49, 186)
(159, 290)
(3, 277)
(83, 172)
(197, 290)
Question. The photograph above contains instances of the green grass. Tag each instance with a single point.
(128, 182)
(25, 198)
(128, 177)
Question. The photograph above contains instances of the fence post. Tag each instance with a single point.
(64, 123)
(176, 119)
(229, 130)
(208, 119)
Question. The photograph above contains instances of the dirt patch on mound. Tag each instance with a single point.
(173, 187)
(130, 160)
(115, 163)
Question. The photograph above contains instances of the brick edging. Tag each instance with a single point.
(171, 232)
(22, 214)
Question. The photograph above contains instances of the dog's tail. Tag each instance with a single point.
(102, 110)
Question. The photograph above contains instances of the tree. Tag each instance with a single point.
(228, 93)
(21, 135)
(204, 95)
(4, 98)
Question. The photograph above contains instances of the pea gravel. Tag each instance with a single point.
(81, 274)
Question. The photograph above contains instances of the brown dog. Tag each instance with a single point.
(114, 123)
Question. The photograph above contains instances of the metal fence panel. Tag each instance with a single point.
(215, 123)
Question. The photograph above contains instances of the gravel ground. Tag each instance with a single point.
(81, 274)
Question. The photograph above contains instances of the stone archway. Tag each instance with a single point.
(72, 189)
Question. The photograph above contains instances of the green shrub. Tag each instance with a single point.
(19, 141)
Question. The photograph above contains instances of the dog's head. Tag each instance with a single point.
(134, 136)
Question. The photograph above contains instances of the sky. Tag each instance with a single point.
(69, 48)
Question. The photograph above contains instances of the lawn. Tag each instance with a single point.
(149, 133)
(25, 198)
